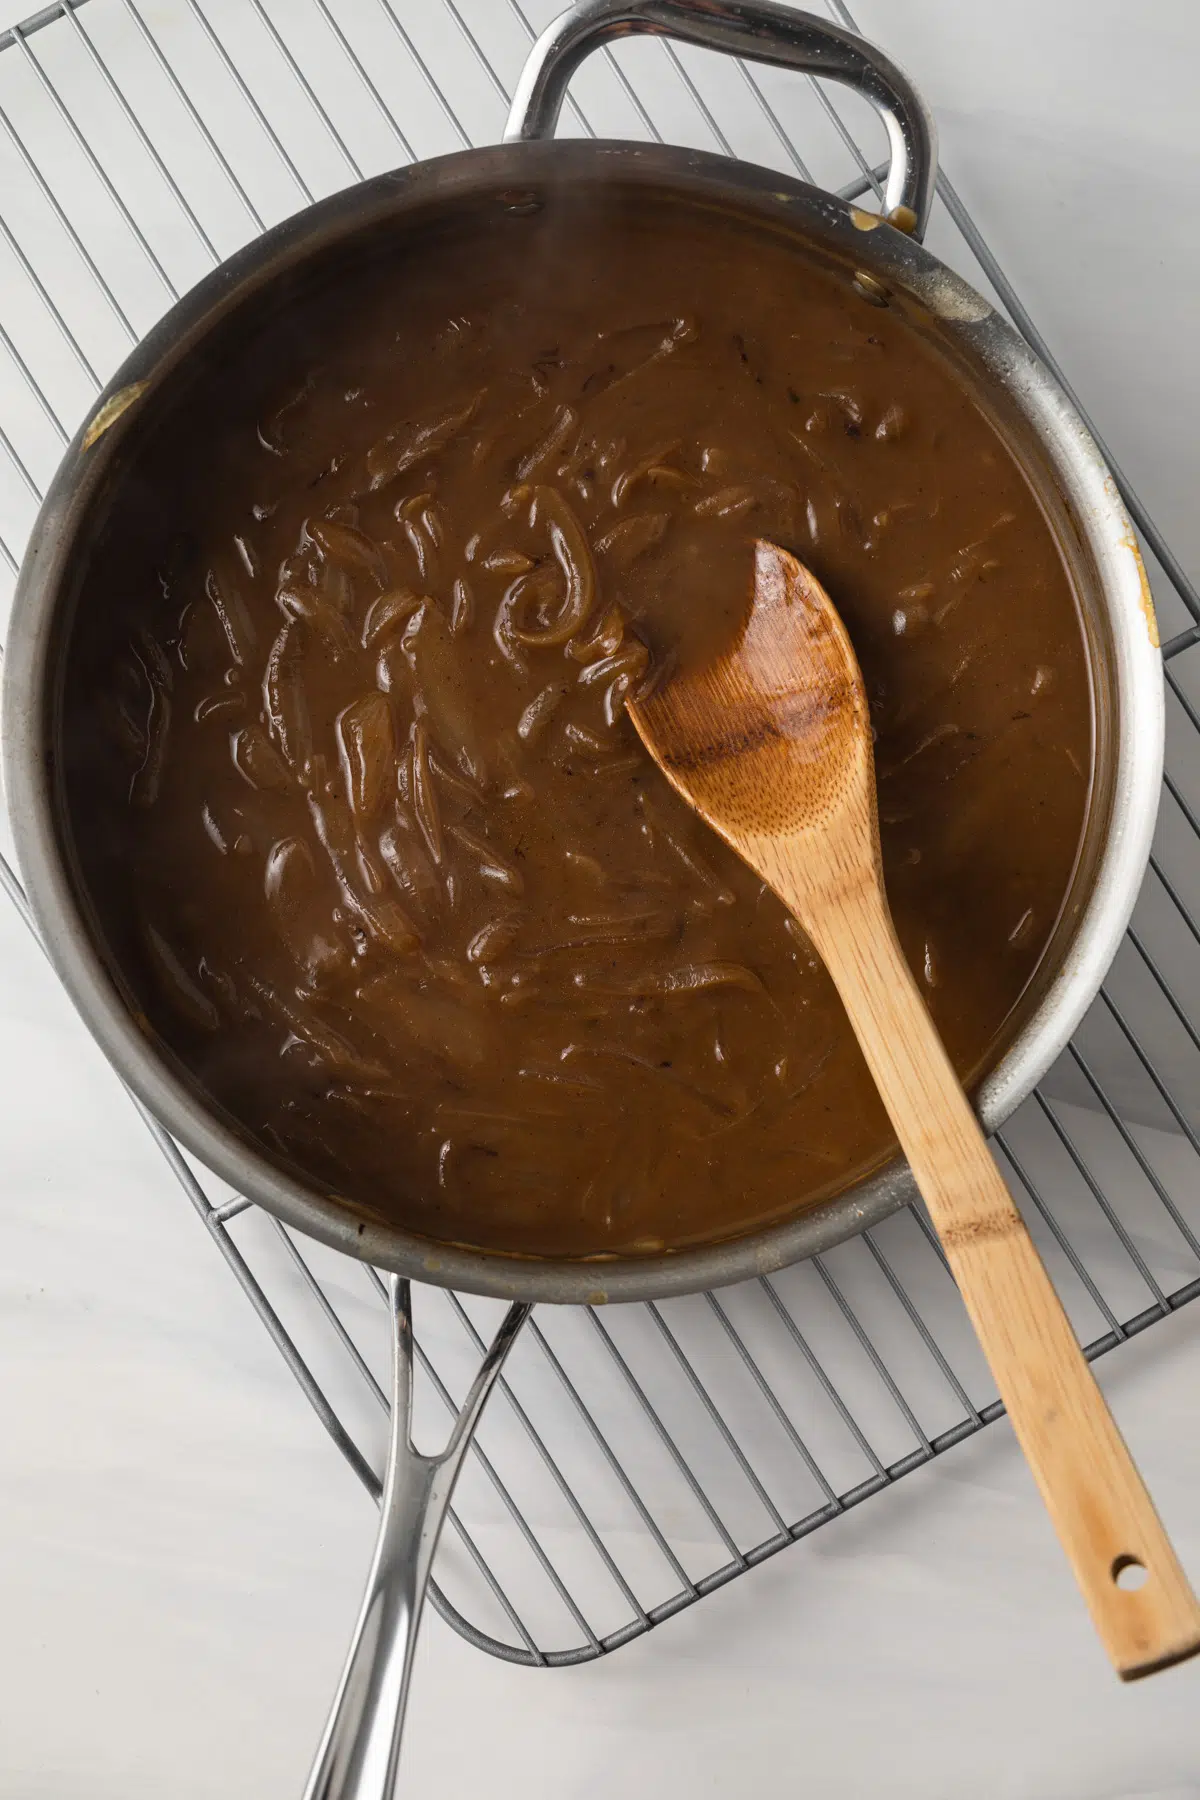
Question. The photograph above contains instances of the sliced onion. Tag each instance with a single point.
(286, 700)
(397, 452)
(538, 713)
(727, 503)
(381, 917)
(298, 598)
(240, 632)
(407, 861)
(574, 558)
(147, 779)
(462, 614)
(493, 867)
(584, 930)
(437, 665)
(413, 518)
(327, 1044)
(367, 749)
(424, 794)
(388, 611)
(605, 639)
(637, 471)
(270, 432)
(257, 760)
(290, 884)
(689, 978)
(630, 538)
(494, 938)
(566, 423)
(632, 660)
(346, 544)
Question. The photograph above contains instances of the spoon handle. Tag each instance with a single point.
(1092, 1489)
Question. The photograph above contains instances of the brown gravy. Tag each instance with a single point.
(353, 781)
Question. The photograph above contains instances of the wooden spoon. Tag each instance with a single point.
(771, 744)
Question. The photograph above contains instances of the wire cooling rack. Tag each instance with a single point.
(636, 1459)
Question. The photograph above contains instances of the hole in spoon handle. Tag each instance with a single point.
(1129, 1574)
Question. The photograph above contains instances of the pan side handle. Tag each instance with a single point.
(760, 31)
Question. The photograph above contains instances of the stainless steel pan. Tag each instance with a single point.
(1092, 523)
(884, 258)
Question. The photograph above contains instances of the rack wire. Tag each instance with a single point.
(635, 1460)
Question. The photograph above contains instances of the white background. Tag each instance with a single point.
(180, 1548)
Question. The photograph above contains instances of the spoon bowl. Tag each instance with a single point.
(771, 743)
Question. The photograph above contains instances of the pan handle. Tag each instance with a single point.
(359, 1752)
(762, 32)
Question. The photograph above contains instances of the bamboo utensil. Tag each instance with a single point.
(771, 744)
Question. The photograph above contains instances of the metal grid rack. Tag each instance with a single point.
(635, 1461)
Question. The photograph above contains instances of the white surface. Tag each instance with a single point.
(180, 1548)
